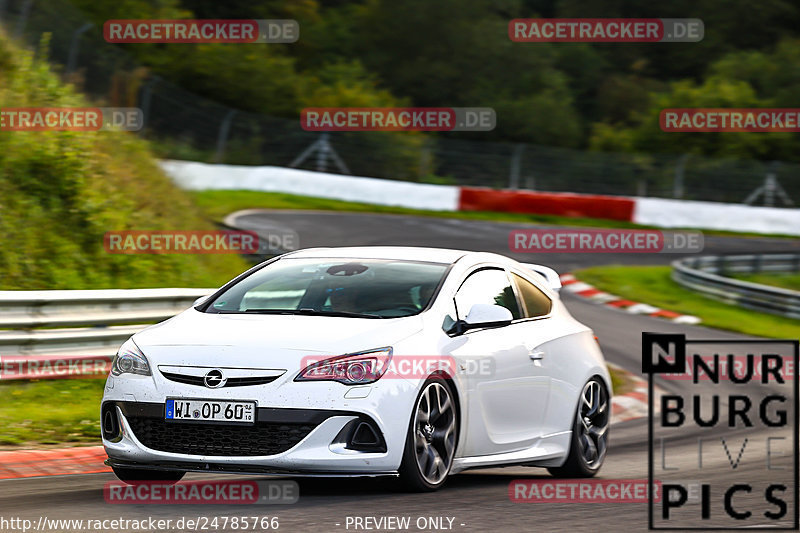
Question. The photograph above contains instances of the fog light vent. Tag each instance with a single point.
(109, 421)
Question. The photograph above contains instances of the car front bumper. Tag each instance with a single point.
(323, 413)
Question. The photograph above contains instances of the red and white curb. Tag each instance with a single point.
(571, 284)
(633, 404)
(55, 462)
(89, 459)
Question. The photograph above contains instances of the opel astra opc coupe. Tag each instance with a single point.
(371, 361)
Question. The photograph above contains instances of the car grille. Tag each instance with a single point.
(232, 382)
(262, 438)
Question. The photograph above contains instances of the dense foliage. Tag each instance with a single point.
(61, 191)
(457, 53)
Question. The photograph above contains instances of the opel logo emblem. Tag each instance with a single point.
(214, 379)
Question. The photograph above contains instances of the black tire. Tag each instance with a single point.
(134, 476)
(443, 438)
(588, 446)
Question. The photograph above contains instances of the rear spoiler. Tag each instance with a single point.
(550, 275)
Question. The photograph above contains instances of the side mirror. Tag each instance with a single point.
(200, 300)
(487, 315)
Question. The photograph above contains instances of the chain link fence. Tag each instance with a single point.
(188, 126)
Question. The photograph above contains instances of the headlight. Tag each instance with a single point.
(130, 360)
(352, 369)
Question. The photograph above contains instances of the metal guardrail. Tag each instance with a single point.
(91, 320)
(707, 275)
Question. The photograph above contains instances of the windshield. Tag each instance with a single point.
(363, 288)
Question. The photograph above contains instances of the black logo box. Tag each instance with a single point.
(678, 366)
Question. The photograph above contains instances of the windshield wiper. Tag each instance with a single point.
(308, 312)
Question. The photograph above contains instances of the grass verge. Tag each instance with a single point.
(46, 412)
(218, 204)
(653, 285)
(784, 281)
(61, 191)
(621, 381)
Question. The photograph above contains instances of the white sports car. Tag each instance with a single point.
(368, 361)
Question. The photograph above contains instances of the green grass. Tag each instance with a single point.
(219, 203)
(62, 191)
(65, 411)
(785, 281)
(621, 381)
(653, 285)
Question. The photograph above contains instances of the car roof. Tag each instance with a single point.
(408, 253)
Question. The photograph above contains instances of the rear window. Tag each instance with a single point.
(534, 301)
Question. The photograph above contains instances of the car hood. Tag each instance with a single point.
(193, 338)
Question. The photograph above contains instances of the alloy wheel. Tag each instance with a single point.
(434, 433)
(593, 427)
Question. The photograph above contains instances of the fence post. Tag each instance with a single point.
(516, 162)
(680, 169)
(770, 188)
(641, 187)
(322, 153)
(530, 183)
(23, 17)
(147, 94)
(324, 150)
(222, 136)
(425, 160)
(75, 46)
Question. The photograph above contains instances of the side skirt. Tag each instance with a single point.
(551, 450)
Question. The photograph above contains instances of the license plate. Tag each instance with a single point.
(180, 409)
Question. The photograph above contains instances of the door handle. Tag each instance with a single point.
(537, 355)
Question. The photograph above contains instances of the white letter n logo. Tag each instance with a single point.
(663, 353)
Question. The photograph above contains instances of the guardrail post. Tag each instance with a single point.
(756, 263)
(698, 274)
(720, 265)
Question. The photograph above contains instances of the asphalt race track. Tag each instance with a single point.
(477, 500)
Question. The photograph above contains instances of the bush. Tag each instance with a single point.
(61, 191)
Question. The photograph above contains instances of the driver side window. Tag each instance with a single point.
(488, 286)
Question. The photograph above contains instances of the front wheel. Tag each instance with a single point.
(589, 433)
(134, 476)
(431, 441)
